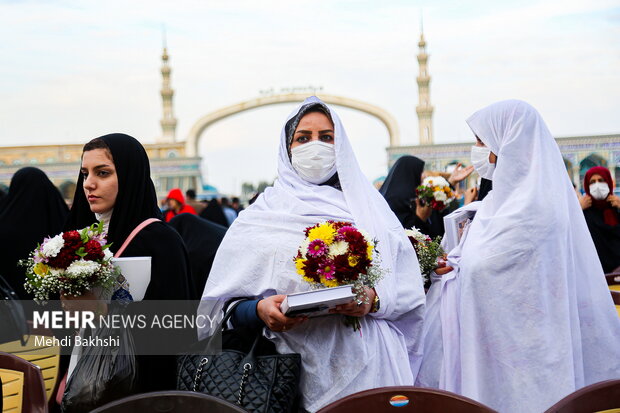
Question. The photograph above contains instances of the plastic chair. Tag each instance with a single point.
(613, 278)
(597, 397)
(170, 402)
(12, 386)
(47, 357)
(615, 296)
(406, 399)
(32, 392)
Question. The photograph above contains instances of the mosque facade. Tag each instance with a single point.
(176, 164)
(580, 153)
(171, 167)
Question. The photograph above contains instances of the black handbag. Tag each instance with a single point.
(258, 383)
(13, 325)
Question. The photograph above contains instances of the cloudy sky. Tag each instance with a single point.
(74, 70)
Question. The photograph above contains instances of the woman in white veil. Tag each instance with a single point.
(255, 259)
(526, 315)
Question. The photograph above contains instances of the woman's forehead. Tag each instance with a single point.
(97, 156)
(314, 119)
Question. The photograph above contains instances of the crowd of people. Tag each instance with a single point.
(221, 210)
(518, 317)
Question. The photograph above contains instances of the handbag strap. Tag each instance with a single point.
(220, 327)
(133, 234)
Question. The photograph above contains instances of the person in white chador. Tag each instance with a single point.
(319, 179)
(525, 316)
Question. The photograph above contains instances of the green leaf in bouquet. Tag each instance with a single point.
(81, 252)
(84, 235)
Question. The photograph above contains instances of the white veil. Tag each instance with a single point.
(526, 315)
(256, 259)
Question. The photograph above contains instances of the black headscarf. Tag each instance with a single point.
(32, 210)
(400, 184)
(291, 126)
(486, 185)
(136, 200)
(292, 123)
(202, 239)
(214, 213)
(2, 197)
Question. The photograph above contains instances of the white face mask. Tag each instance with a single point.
(480, 160)
(599, 190)
(315, 161)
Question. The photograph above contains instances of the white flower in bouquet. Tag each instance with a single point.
(108, 254)
(435, 181)
(338, 248)
(82, 268)
(52, 246)
(416, 234)
(303, 248)
(366, 235)
(440, 196)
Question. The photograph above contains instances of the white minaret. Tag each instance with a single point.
(424, 108)
(168, 121)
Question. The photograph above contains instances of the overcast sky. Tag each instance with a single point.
(74, 70)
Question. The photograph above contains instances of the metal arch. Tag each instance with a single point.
(191, 144)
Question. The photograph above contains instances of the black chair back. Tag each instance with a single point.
(170, 402)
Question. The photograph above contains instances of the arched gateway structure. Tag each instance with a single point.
(191, 144)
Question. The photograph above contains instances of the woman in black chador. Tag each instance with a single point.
(32, 210)
(115, 186)
(214, 213)
(202, 239)
(399, 192)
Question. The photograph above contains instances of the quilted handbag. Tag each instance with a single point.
(258, 383)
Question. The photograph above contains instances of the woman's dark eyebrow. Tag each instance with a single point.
(303, 131)
(105, 165)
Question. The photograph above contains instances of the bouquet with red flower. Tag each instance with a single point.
(336, 253)
(428, 250)
(71, 263)
(436, 192)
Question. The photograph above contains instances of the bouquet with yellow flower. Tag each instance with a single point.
(336, 253)
(71, 263)
(436, 192)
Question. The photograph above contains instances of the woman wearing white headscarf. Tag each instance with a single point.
(526, 316)
(255, 259)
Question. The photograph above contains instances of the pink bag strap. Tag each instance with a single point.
(133, 234)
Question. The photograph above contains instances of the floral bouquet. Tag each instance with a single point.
(336, 253)
(427, 249)
(70, 263)
(436, 192)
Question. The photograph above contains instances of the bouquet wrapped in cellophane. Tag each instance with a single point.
(336, 253)
(70, 263)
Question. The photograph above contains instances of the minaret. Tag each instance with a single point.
(424, 108)
(168, 122)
